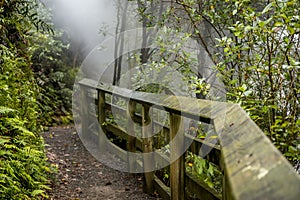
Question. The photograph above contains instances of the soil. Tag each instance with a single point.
(80, 176)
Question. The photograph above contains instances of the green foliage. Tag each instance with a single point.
(170, 58)
(260, 67)
(23, 168)
(53, 72)
(54, 77)
(255, 47)
(24, 34)
(18, 18)
(18, 88)
(205, 171)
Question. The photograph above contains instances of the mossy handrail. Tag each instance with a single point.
(253, 167)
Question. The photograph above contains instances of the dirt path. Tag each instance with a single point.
(81, 176)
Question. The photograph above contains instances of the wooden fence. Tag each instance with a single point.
(252, 167)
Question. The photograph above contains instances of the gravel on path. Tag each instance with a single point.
(81, 177)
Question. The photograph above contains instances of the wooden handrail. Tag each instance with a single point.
(253, 167)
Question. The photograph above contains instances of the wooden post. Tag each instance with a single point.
(147, 148)
(101, 120)
(84, 112)
(131, 140)
(177, 166)
(226, 191)
(225, 188)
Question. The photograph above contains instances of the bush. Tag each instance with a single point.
(24, 171)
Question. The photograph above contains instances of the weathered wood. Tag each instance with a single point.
(201, 142)
(214, 154)
(198, 109)
(177, 161)
(84, 111)
(148, 159)
(121, 111)
(161, 160)
(131, 139)
(163, 191)
(254, 168)
(198, 189)
(226, 190)
(119, 132)
(102, 140)
(116, 150)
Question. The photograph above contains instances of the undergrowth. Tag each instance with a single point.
(23, 166)
(26, 102)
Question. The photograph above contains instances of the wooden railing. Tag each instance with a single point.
(252, 167)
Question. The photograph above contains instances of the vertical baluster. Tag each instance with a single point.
(131, 140)
(101, 120)
(84, 111)
(226, 191)
(147, 148)
(177, 167)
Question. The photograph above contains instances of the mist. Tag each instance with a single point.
(82, 20)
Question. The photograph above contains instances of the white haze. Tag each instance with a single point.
(82, 19)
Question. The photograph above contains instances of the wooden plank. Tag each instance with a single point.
(84, 111)
(131, 139)
(198, 109)
(139, 144)
(213, 156)
(198, 189)
(147, 151)
(121, 111)
(117, 131)
(137, 118)
(114, 149)
(163, 191)
(177, 161)
(201, 142)
(116, 109)
(101, 118)
(226, 190)
(161, 160)
(123, 155)
(254, 168)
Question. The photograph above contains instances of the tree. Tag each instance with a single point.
(255, 48)
(119, 41)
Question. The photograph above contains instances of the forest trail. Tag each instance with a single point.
(80, 176)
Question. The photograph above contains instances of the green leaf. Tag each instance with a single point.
(278, 24)
(5, 110)
(234, 12)
(209, 183)
(37, 192)
(4, 140)
(267, 8)
(211, 170)
(286, 40)
(291, 30)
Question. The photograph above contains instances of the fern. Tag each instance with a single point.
(24, 104)
(23, 162)
(4, 111)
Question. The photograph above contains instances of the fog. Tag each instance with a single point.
(82, 19)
